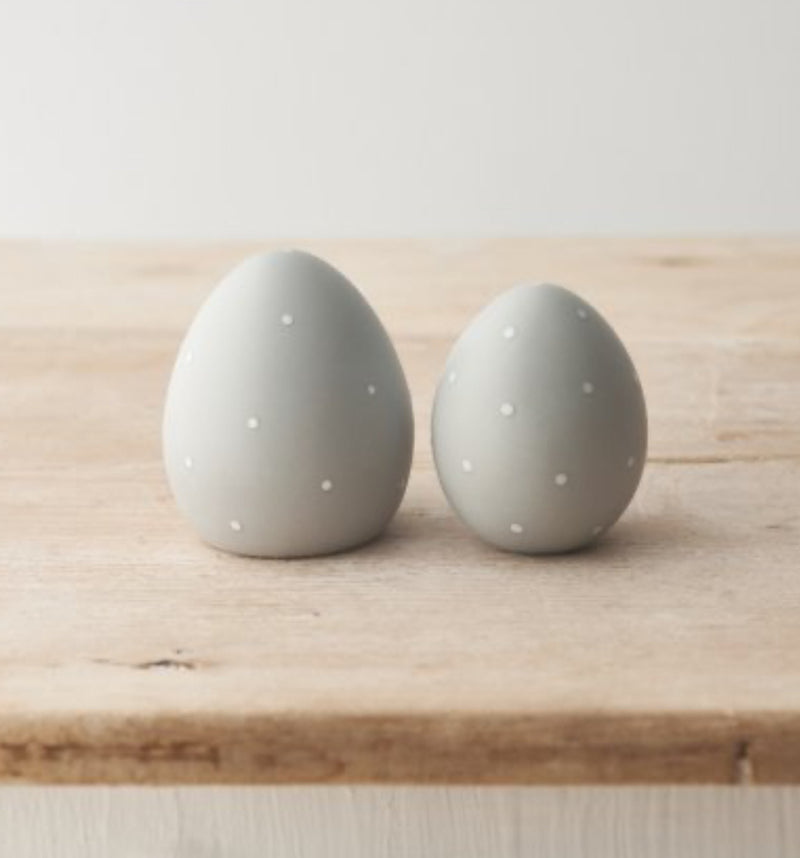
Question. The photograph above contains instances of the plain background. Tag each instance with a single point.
(246, 119)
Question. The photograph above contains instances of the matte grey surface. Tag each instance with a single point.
(288, 428)
(539, 425)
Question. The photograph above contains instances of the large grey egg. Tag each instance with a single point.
(539, 424)
(287, 428)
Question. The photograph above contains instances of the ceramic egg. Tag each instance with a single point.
(287, 427)
(539, 425)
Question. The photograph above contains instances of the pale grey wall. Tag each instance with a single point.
(234, 118)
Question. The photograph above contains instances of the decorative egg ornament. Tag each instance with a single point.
(539, 425)
(288, 428)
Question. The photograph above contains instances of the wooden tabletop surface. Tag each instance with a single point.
(130, 652)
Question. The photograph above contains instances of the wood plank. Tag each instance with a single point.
(129, 652)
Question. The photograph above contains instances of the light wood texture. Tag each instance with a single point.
(130, 652)
(400, 822)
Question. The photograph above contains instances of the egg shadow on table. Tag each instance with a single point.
(438, 534)
(632, 538)
(650, 535)
(397, 537)
(411, 532)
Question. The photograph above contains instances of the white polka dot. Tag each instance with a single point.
(588, 387)
(188, 462)
(510, 332)
(597, 529)
(561, 479)
(188, 357)
(327, 485)
(253, 422)
(452, 378)
(287, 319)
(236, 525)
(371, 389)
(582, 314)
(507, 409)
(516, 528)
(631, 461)
(466, 466)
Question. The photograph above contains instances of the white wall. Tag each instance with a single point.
(240, 118)
(400, 822)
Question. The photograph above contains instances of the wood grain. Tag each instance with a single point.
(129, 652)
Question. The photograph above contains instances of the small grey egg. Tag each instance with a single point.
(288, 428)
(539, 425)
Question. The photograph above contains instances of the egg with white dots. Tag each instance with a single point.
(550, 415)
(287, 427)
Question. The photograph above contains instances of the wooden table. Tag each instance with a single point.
(670, 654)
